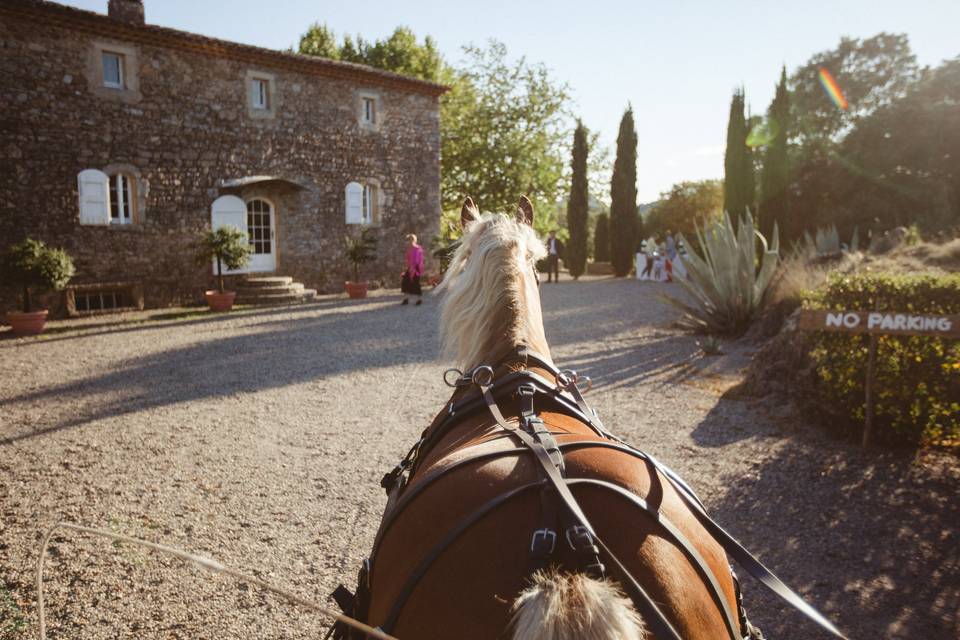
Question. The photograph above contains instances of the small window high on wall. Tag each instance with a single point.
(113, 70)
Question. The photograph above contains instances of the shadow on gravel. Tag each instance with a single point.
(667, 359)
(279, 353)
(870, 538)
(161, 320)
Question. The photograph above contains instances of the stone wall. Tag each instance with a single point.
(186, 127)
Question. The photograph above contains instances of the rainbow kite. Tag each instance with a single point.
(829, 84)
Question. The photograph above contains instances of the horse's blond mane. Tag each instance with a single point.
(486, 307)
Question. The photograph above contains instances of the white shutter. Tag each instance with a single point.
(354, 200)
(228, 211)
(93, 190)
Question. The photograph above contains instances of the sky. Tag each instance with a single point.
(676, 62)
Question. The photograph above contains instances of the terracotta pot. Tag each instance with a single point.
(220, 301)
(356, 289)
(27, 324)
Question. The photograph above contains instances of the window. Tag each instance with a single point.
(121, 199)
(259, 228)
(260, 94)
(369, 111)
(92, 301)
(363, 203)
(371, 213)
(112, 70)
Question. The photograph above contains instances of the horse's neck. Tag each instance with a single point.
(517, 324)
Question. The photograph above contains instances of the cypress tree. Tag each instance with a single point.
(601, 239)
(775, 176)
(738, 181)
(623, 198)
(576, 254)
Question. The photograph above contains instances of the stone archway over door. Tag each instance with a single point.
(258, 221)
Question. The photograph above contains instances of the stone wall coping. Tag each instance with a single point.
(53, 14)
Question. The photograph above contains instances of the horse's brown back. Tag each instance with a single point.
(467, 592)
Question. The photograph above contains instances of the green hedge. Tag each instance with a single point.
(917, 377)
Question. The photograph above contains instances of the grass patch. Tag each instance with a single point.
(12, 620)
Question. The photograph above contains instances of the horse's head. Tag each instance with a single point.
(492, 303)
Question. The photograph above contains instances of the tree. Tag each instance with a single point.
(319, 40)
(229, 246)
(775, 175)
(577, 205)
(685, 207)
(601, 239)
(400, 53)
(738, 182)
(872, 73)
(623, 198)
(32, 265)
(504, 132)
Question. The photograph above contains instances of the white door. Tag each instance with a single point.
(228, 211)
(260, 228)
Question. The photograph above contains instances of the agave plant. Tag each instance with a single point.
(726, 286)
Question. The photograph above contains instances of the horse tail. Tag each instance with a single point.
(573, 606)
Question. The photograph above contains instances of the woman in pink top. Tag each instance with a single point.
(410, 284)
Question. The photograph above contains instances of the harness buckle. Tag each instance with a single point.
(526, 390)
(542, 537)
(578, 537)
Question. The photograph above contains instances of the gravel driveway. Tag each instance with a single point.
(259, 438)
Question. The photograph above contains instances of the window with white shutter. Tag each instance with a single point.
(228, 211)
(93, 191)
(354, 203)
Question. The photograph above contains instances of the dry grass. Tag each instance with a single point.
(799, 272)
(923, 257)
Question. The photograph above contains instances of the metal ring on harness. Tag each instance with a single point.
(456, 381)
(482, 376)
(568, 378)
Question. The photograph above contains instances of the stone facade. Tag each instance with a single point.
(183, 130)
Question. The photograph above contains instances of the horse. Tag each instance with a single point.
(517, 514)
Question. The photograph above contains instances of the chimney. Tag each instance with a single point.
(129, 11)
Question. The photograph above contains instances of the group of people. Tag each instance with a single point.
(655, 251)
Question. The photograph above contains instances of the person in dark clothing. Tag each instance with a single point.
(554, 253)
(651, 257)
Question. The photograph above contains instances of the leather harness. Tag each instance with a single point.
(479, 389)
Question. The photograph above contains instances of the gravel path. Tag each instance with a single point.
(259, 438)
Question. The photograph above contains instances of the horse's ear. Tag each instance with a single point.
(469, 212)
(525, 211)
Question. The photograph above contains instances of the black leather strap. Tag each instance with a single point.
(652, 615)
(697, 560)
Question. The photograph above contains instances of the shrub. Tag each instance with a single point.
(229, 246)
(361, 249)
(917, 382)
(33, 265)
(725, 284)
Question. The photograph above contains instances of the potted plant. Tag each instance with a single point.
(231, 249)
(361, 249)
(33, 265)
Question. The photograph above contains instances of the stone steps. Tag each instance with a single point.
(272, 290)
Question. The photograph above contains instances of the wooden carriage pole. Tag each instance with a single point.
(868, 391)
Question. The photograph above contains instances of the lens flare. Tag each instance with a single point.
(829, 84)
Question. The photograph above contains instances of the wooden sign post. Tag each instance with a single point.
(878, 323)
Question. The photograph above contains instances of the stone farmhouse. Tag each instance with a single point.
(121, 141)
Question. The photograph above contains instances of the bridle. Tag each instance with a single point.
(562, 518)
